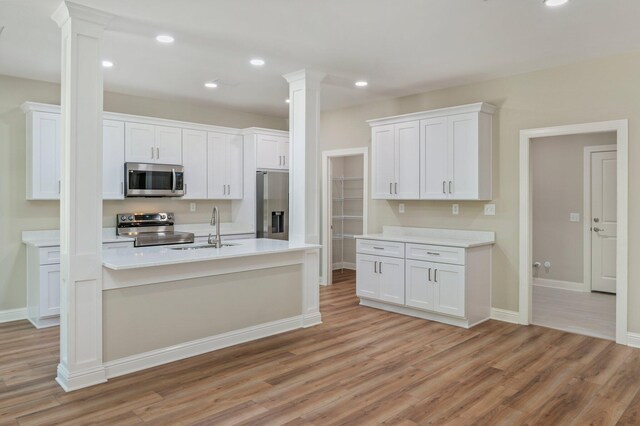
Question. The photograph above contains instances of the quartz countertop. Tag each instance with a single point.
(51, 238)
(145, 257)
(433, 236)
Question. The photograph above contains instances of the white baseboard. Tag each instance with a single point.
(563, 285)
(344, 265)
(505, 315)
(633, 340)
(157, 357)
(13, 315)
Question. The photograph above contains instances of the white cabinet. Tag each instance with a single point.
(419, 286)
(146, 143)
(272, 152)
(434, 155)
(194, 147)
(380, 278)
(437, 287)
(396, 161)
(43, 155)
(49, 291)
(225, 166)
(113, 160)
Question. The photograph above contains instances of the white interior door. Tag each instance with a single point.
(603, 221)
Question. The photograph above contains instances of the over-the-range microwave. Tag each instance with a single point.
(153, 180)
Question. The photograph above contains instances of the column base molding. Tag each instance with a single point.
(82, 379)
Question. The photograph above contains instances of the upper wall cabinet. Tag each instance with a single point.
(43, 155)
(396, 161)
(225, 163)
(146, 143)
(442, 154)
(113, 160)
(272, 152)
(194, 160)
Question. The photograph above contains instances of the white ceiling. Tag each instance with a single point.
(400, 46)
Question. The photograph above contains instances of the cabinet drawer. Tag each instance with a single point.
(442, 254)
(111, 246)
(381, 248)
(49, 255)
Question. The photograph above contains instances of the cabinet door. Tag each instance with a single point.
(284, 152)
(217, 146)
(419, 286)
(407, 141)
(463, 155)
(449, 297)
(268, 152)
(45, 157)
(235, 167)
(433, 159)
(49, 290)
(391, 272)
(194, 160)
(383, 154)
(367, 277)
(168, 145)
(113, 160)
(139, 143)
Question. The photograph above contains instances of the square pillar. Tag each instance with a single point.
(81, 196)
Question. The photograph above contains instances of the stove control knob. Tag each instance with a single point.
(130, 218)
(123, 218)
(163, 216)
(170, 217)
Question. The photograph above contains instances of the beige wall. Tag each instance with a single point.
(558, 189)
(605, 89)
(17, 214)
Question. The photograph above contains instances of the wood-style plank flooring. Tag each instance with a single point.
(361, 366)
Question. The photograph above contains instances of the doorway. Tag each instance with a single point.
(526, 262)
(573, 189)
(344, 198)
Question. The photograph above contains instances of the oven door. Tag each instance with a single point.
(154, 180)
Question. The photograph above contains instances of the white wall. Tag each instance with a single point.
(557, 165)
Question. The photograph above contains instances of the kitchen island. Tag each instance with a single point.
(162, 304)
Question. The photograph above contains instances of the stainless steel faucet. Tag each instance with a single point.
(215, 221)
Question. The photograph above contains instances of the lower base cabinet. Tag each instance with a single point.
(423, 285)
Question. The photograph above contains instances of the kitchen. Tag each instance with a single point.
(438, 255)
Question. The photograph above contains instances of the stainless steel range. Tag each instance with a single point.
(151, 229)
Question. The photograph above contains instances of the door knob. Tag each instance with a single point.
(596, 219)
(596, 229)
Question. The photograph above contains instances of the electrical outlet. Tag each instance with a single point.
(401, 207)
(574, 217)
(489, 209)
(192, 207)
(455, 208)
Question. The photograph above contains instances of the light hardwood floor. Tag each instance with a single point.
(591, 314)
(362, 366)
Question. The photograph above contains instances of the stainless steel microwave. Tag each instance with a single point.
(153, 180)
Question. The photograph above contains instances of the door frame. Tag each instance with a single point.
(621, 127)
(325, 276)
(587, 245)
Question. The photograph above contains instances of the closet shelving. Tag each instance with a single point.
(347, 208)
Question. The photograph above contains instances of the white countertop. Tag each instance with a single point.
(51, 238)
(144, 257)
(434, 236)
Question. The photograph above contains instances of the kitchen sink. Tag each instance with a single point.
(206, 246)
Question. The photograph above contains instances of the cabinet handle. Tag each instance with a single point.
(380, 268)
(122, 187)
(449, 187)
(152, 153)
(59, 186)
(429, 274)
(433, 253)
(224, 189)
(185, 189)
(435, 275)
(396, 188)
(157, 153)
(378, 248)
(375, 267)
(444, 183)
(390, 188)
(228, 189)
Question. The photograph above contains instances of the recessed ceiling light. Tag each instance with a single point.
(554, 3)
(211, 85)
(164, 38)
(257, 62)
(362, 83)
(288, 101)
(107, 64)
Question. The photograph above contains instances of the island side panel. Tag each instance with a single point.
(151, 317)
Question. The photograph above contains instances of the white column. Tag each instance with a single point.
(81, 196)
(304, 194)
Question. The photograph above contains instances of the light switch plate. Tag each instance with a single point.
(574, 217)
(489, 209)
(192, 207)
(455, 208)
(401, 207)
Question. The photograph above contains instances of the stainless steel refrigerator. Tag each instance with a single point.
(272, 205)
